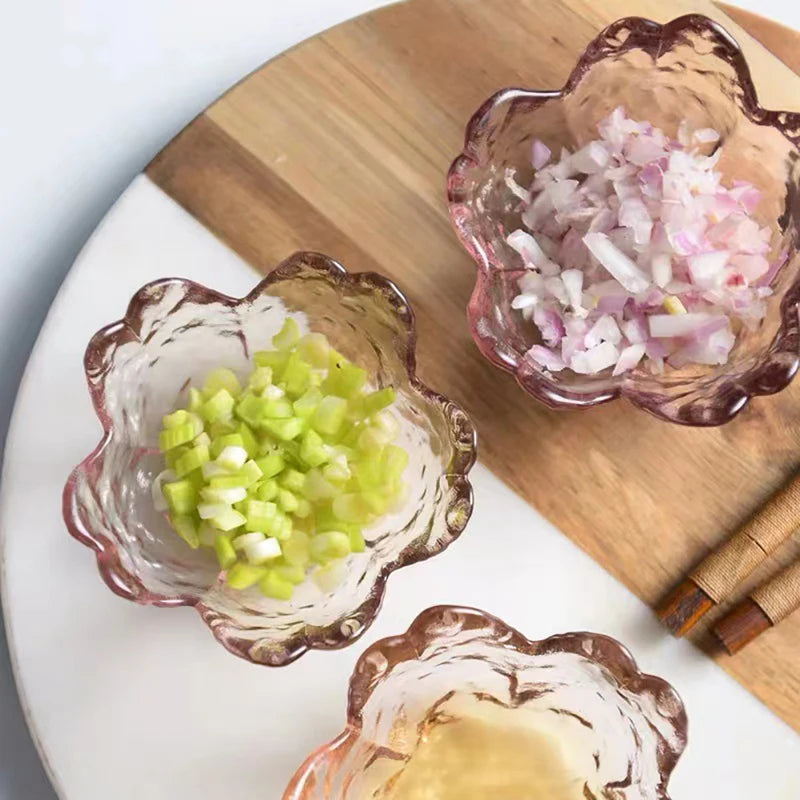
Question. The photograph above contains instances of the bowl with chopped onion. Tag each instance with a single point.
(636, 232)
(268, 460)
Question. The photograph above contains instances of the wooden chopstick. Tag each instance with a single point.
(768, 605)
(726, 567)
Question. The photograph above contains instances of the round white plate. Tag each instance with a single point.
(133, 702)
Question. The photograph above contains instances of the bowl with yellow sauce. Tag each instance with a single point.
(464, 707)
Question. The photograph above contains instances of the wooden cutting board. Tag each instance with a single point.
(342, 144)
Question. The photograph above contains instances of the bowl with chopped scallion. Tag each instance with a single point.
(268, 460)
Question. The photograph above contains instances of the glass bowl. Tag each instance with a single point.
(176, 331)
(689, 69)
(622, 731)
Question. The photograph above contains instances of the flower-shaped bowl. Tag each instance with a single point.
(621, 731)
(175, 332)
(690, 69)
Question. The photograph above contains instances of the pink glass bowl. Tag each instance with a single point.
(627, 729)
(692, 69)
(175, 332)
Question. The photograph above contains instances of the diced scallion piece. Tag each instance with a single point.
(228, 520)
(260, 378)
(186, 528)
(191, 460)
(232, 457)
(268, 490)
(176, 418)
(219, 443)
(260, 515)
(288, 336)
(327, 546)
(221, 379)
(314, 349)
(226, 555)
(296, 550)
(196, 400)
(295, 575)
(330, 414)
(242, 575)
(377, 401)
(312, 449)
(262, 552)
(296, 375)
(178, 435)
(181, 496)
(274, 585)
(305, 406)
(218, 406)
(284, 429)
(352, 508)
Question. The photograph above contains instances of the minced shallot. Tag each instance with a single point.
(636, 253)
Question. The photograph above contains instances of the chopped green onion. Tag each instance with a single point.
(268, 490)
(219, 443)
(173, 437)
(176, 418)
(226, 555)
(276, 409)
(196, 400)
(296, 375)
(377, 401)
(305, 406)
(288, 336)
(329, 545)
(260, 515)
(192, 460)
(274, 359)
(218, 406)
(284, 429)
(228, 520)
(352, 508)
(330, 414)
(296, 549)
(232, 457)
(288, 572)
(227, 496)
(186, 528)
(286, 472)
(287, 502)
(221, 379)
(263, 551)
(260, 378)
(242, 575)
(345, 379)
(315, 487)
(274, 585)
(312, 449)
(181, 496)
(270, 465)
(207, 534)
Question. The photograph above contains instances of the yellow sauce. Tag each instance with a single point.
(475, 759)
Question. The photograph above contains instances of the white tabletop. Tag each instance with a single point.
(91, 91)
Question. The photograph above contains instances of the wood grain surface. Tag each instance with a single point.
(342, 144)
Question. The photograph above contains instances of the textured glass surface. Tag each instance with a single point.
(175, 332)
(688, 69)
(626, 728)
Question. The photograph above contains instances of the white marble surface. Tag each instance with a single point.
(130, 702)
(91, 90)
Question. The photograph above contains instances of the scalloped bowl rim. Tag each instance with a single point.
(757, 381)
(331, 636)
